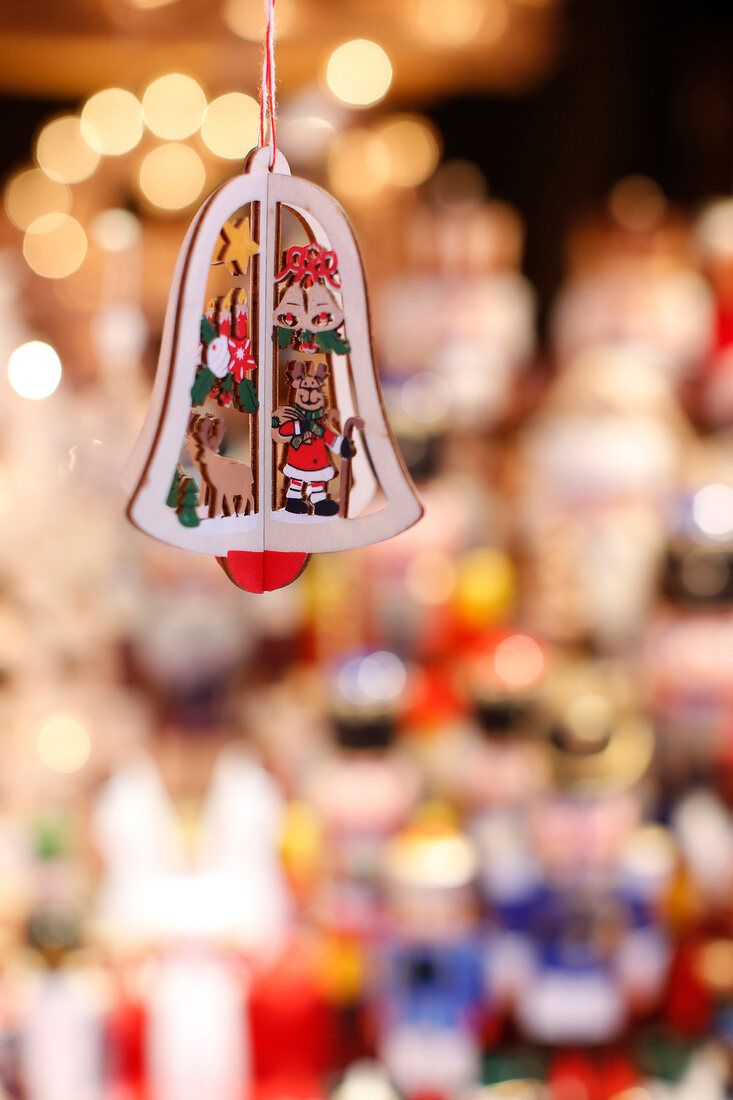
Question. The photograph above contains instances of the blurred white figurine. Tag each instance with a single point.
(201, 885)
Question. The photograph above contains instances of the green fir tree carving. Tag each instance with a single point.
(188, 499)
(172, 500)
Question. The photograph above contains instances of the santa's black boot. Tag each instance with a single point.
(325, 507)
(298, 506)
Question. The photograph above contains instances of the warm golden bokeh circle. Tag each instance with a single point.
(55, 245)
(172, 176)
(112, 121)
(30, 193)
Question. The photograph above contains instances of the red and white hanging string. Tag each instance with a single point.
(267, 88)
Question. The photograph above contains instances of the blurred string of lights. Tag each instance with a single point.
(402, 151)
(171, 132)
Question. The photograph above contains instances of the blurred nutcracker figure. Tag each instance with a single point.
(462, 312)
(596, 463)
(633, 282)
(362, 789)
(578, 948)
(688, 642)
(688, 672)
(429, 994)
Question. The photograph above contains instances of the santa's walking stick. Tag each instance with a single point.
(352, 424)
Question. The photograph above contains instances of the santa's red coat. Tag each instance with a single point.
(310, 461)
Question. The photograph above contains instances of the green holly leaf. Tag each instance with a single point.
(284, 336)
(226, 384)
(205, 379)
(331, 343)
(248, 396)
(208, 330)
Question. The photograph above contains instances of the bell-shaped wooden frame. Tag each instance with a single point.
(156, 453)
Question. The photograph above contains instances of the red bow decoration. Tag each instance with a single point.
(311, 262)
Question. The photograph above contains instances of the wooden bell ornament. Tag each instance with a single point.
(266, 346)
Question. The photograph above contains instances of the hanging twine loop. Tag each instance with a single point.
(267, 87)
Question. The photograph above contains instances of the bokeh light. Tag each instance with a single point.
(413, 148)
(495, 21)
(115, 230)
(173, 106)
(519, 661)
(62, 152)
(431, 857)
(588, 717)
(712, 510)
(247, 18)
(453, 24)
(359, 72)
(461, 22)
(715, 228)
(430, 578)
(306, 137)
(358, 164)
(30, 194)
(172, 176)
(55, 245)
(365, 1080)
(637, 203)
(378, 677)
(34, 370)
(486, 586)
(715, 964)
(112, 121)
(230, 125)
(63, 744)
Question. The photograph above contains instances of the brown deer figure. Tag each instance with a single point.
(228, 483)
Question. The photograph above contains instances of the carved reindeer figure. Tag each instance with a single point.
(228, 483)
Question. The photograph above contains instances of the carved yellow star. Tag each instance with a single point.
(235, 246)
